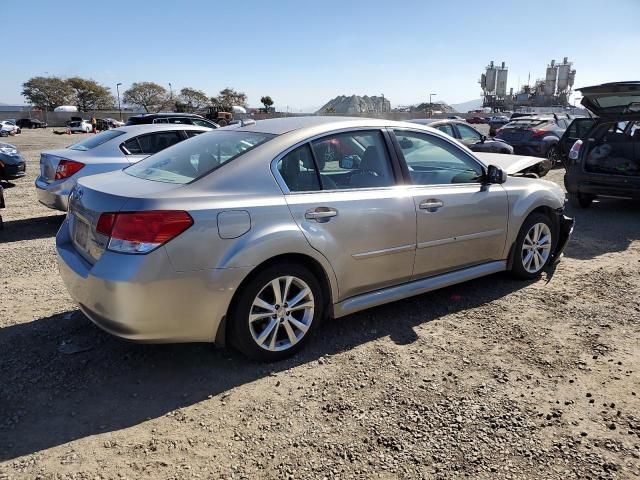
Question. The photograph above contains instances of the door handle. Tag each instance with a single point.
(431, 205)
(321, 214)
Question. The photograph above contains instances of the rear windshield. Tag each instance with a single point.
(96, 140)
(194, 158)
(525, 123)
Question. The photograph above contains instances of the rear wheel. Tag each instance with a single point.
(533, 246)
(276, 312)
(579, 200)
(553, 155)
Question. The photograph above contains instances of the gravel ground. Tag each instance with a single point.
(493, 378)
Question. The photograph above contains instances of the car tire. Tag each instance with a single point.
(278, 328)
(19, 131)
(553, 155)
(579, 200)
(534, 246)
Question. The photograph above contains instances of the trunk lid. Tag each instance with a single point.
(97, 194)
(619, 99)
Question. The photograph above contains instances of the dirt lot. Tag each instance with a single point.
(494, 378)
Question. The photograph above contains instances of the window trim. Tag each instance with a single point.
(441, 136)
(181, 133)
(396, 167)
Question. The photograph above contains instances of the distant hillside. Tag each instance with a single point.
(355, 104)
(464, 107)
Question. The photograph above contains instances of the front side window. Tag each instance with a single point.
(96, 140)
(434, 161)
(188, 161)
(468, 134)
(353, 160)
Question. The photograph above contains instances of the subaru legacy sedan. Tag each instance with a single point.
(110, 150)
(254, 235)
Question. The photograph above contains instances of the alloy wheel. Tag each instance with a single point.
(536, 247)
(281, 313)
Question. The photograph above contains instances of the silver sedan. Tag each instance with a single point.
(253, 235)
(105, 152)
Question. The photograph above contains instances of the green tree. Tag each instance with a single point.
(227, 98)
(148, 95)
(192, 100)
(47, 92)
(90, 95)
(267, 101)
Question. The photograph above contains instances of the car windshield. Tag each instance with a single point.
(96, 140)
(192, 159)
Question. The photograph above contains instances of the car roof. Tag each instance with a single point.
(156, 127)
(279, 126)
(166, 114)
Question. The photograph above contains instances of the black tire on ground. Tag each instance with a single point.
(553, 154)
(518, 268)
(221, 122)
(239, 332)
(579, 200)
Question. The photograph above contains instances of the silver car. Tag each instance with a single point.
(105, 152)
(253, 235)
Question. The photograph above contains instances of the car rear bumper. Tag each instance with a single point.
(54, 195)
(142, 298)
(13, 171)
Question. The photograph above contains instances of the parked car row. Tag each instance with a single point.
(9, 127)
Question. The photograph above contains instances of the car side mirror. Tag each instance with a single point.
(496, 175)
(483, 138)
(349, 162)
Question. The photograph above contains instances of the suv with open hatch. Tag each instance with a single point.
(604, 159)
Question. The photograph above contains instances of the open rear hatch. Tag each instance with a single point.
(99, 194)
(618, 99)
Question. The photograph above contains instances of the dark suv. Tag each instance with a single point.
(603, 153)
(183, 118)
(31, 123)
(536, 136)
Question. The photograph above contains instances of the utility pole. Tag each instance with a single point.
(382, 109)
(119, 107)
(431, 104)
(171, 97)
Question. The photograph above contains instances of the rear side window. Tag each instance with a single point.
(298, 170)
(446, 128)
(202, 123)
(155, 142)
(189, 161)
(580, 127)
(96, 140)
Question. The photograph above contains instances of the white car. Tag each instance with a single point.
(8, 127)
(83, 126)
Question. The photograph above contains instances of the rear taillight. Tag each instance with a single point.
(66, 168)
(574, 153)
(538, 133)
(141, 232)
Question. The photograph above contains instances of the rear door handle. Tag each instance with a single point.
(321, 214)
(431, 205)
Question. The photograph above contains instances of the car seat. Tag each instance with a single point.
(373, 172)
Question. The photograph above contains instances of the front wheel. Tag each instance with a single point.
(276, 312)
(534, 245)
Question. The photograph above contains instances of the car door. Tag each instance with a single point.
(577, 129)
(461, 221)
(342, 190)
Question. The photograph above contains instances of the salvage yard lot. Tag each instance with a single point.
(494, 378)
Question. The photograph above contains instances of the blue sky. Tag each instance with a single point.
(304, 53)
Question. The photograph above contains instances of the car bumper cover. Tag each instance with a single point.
(142, 298)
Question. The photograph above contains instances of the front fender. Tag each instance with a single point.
(526, 195)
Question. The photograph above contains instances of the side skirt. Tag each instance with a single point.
(417, 287)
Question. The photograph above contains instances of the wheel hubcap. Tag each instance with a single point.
(536, 248)
(281, 313)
